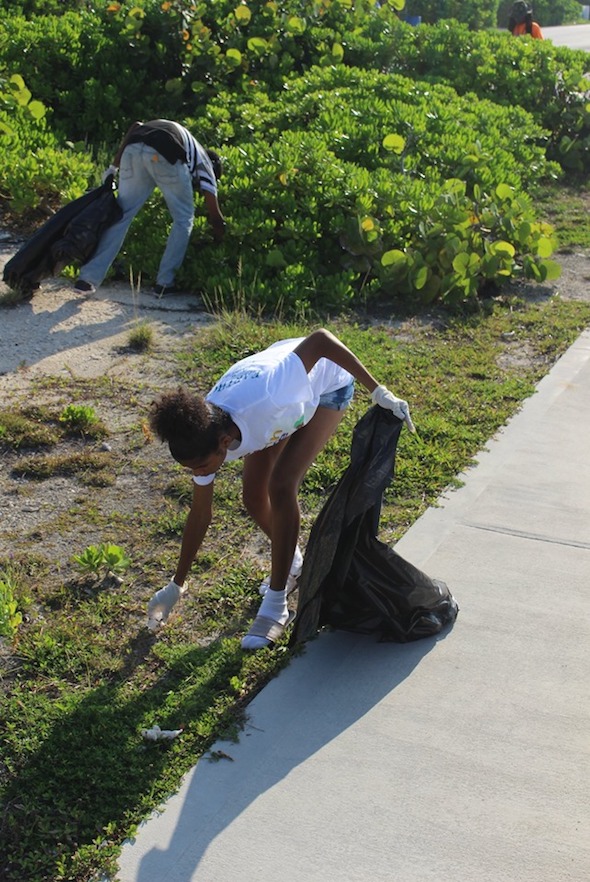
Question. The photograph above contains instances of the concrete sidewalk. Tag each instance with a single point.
(458, 759)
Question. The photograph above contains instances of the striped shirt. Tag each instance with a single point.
(199, 164)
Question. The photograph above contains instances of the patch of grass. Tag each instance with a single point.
(141, 337)
(567, 208)
(92, 467)
(14, 297)
(27, 427)
(10, 614)
(86, 676)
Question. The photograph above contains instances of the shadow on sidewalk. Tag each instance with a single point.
(315, 700)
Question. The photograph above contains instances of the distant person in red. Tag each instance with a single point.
(521, 21)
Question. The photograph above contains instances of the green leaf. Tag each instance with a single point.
(393, 257)
(524, 232)
(258, 45)
(550, 270)
(234, 57)
(276, 259)
(461, 262)
(37, 109)
(18, 81)
(544, 247)
(296, 25)
(243, 14)
(502, 249)
(420, 277)
(505, 192)
(455, 185)
(394, 143)
(337, 52)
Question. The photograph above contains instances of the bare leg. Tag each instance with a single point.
(258, 468)
(274, 504)
(288, 473)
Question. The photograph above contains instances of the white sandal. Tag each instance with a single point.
(268, 629)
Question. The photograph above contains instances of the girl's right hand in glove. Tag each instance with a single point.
(160, 606)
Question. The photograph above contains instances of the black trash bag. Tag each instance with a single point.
(71, 235)
(350, 579)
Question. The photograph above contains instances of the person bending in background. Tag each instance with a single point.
(277, 409)
(162, 154)
(521, 21)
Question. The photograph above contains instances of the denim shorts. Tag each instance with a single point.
(339, 399)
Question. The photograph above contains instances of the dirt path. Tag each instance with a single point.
(60, 332)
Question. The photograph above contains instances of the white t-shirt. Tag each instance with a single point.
(270, 395)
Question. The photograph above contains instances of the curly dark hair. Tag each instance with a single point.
(190, 425)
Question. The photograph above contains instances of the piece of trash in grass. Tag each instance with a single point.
(157, 734)
(217, 755)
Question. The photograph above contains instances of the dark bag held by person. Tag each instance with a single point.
(70, 236)
(350, 579)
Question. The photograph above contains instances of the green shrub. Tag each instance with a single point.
(329, 166)
(33, 166)
(548, 81)
(94, 71)
(315, 197)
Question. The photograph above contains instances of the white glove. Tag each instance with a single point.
(111, 170)
(400, 408)
(160, 606)
(157, 734)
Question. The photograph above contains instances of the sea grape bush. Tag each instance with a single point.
(343, 168)
(340, 128)
(550, 82)
(461, 242)
(93, 67)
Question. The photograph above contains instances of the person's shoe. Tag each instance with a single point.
(162, 290)
(84, 286)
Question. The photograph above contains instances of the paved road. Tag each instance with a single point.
(574, 36)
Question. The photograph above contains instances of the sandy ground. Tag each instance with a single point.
(60, 332)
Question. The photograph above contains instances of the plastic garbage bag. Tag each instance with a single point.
(350, 579)
(71, 235)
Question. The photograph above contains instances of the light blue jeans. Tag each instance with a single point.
(142, 170)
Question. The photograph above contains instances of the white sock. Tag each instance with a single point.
(297, 563)
(273, 606)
